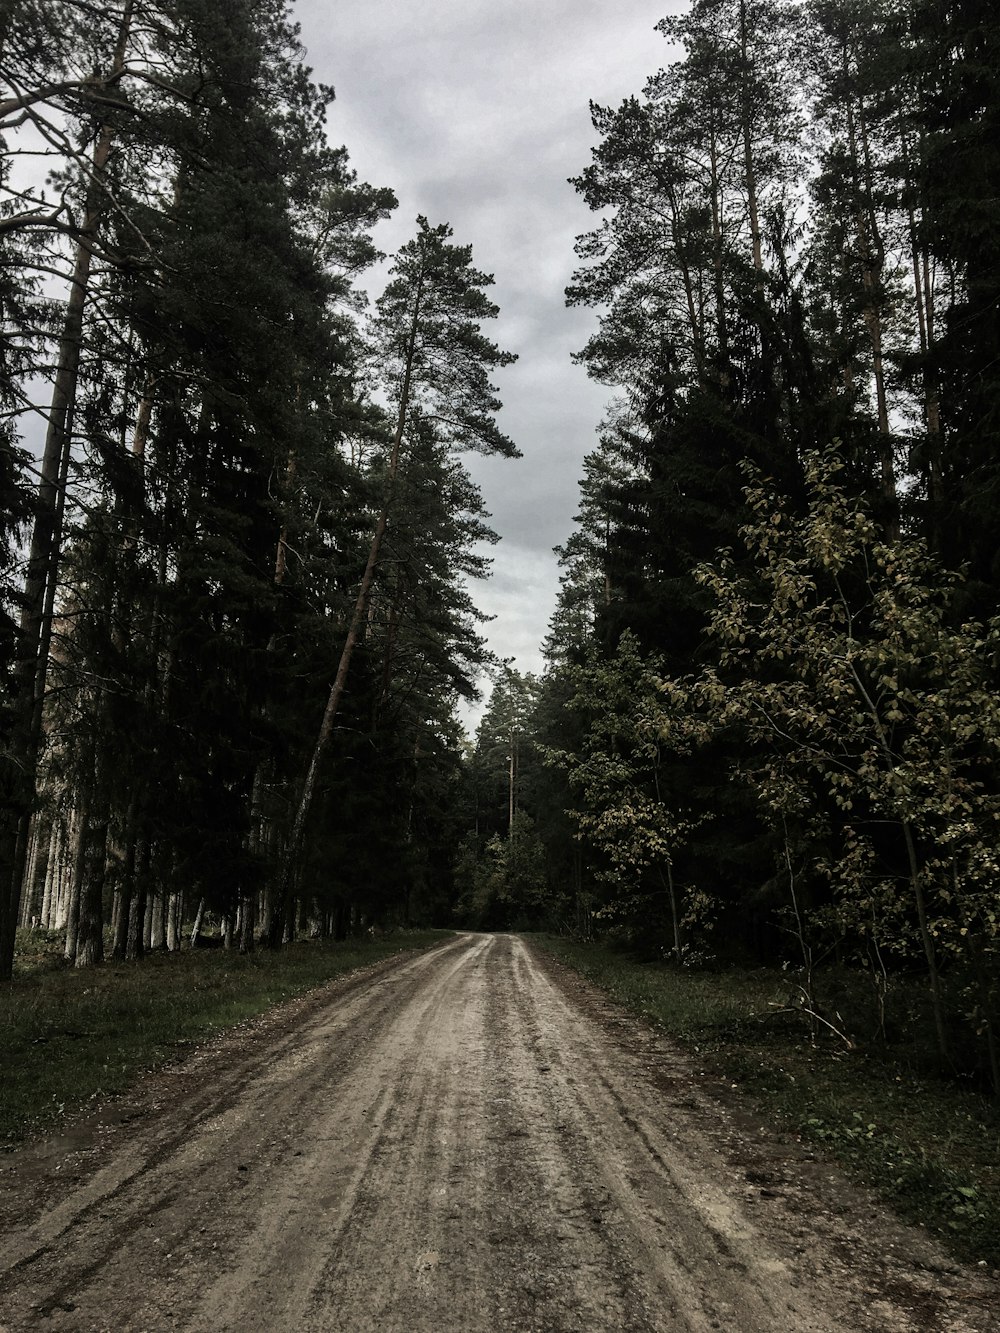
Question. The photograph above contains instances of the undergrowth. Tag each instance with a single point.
(928, 1145)
(69, 1037)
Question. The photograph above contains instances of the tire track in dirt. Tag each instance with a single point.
(219, 1126)
(471, 1139)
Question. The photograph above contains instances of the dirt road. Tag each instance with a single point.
(469, 1139)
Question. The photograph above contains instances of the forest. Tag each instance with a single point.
(240, 538)
(236, 624)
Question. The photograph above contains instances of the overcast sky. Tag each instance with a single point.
(475, 112)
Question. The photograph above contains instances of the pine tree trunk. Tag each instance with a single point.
(81, 816)
(40, 871)
(90, 936)
(50, 881)
(72, 918)
(718, 272)
(248, 923)
(160, 922)
(871, 252)
(137, 908)
(923, 296)
(119, 924)
(147, 922)
(512, 784)
(675, 919)
(128, 857)
(120, 917)
(136, 915)
(196, 928)
(61, 887)
(749, 167)
(167, 923)
(27, 892)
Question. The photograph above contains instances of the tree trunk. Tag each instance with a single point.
(167, 925)
(126, 891)
(247, 923)
(753, 205)
(718, 272)
(81, 816)
(28, 915)
(90, 937)
(50, 883)
(923, 296)
(154, 932)
(871, 253)
(135, 946)
(675, 919)
(196, 928)
(512, 783)
(61, 888)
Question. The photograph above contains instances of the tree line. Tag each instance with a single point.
(769, 727)
(235, 523)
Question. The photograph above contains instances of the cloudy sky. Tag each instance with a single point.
(475, 112)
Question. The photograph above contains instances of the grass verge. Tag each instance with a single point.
(71, 1037)
(929, 1147)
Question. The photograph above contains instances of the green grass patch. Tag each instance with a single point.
(929, 1146)
(70, 1037)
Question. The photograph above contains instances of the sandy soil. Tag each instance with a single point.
(469, 1139)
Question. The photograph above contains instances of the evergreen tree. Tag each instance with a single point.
(435, 363)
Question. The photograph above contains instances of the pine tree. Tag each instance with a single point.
(435, 364)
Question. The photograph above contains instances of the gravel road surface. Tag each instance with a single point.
(467, 1139)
